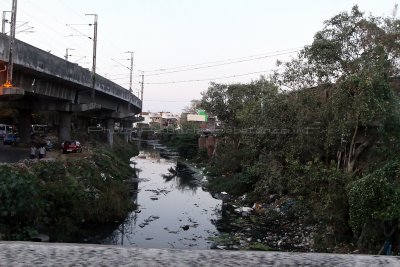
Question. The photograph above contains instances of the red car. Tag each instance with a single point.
(71, 146)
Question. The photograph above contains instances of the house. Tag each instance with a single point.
(168, 119)
(201, 120)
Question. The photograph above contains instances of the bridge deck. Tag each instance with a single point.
(38, 69)
(54, 254)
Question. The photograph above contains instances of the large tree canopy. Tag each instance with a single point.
(325, 125)
(353, 58)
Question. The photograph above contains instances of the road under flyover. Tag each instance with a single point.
(55, 254)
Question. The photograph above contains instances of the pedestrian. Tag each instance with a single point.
(33, 152)
(42, 151)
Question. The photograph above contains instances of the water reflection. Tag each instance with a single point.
(173, 210)
(185, 178)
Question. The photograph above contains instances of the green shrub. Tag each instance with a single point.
(375, 197)
(235, 184)
(57, 196)
(20, 202)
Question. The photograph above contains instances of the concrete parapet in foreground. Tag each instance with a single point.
(55, 254)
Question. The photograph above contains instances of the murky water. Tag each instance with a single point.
(173, 211)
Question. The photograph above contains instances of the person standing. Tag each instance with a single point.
(42, 151)
(33, 152)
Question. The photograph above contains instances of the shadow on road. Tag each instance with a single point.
(10, 154)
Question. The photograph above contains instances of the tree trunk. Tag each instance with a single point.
(350, 161)
(355, 151)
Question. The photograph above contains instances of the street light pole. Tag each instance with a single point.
(11, 45)
(67, 53)
(131, 70)
(3, 22)
(94, 55)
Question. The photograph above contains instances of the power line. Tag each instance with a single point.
(119, 63)
(210, 79)
(209, 66)
(152, 100)
(46, 27)
(221, 64)
(111, 45)
(81, 33)
(115, 75)
(289, 50)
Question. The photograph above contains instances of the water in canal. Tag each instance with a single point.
(173, 211)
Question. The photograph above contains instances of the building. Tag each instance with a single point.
(200, 119)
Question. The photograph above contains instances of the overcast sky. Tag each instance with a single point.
(169, 36)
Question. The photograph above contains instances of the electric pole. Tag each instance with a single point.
(131, 70)
(11, 45)
(94, 55)
(141, 96)
(67, 53)
(3, 22)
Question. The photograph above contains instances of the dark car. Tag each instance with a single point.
(11, 139)
(71, 147)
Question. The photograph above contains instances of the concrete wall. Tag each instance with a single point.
(52, 254)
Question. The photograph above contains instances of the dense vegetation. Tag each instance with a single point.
(324, 130)
(57, 197)
(184, 143)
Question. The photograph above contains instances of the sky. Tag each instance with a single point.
(179, 46)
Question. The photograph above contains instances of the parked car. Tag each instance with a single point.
(71, 146)
(11, 139)
(4, 130)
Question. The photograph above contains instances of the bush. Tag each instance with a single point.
(20, 202)
(235, 184)
(185, 144)
(57, 196)
(375, 197)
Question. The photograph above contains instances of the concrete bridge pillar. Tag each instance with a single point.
(127, 130)
(110, 131)
(82, 124)
(64, 130)
(24, 125)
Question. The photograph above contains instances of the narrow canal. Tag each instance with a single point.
(173, 209)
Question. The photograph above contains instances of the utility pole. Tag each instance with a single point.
(94, 56)
(3, 22)
(11, 45)
(131, 70)
(67, 53)
(141, 96)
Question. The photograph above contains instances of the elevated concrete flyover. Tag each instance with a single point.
(44, 82)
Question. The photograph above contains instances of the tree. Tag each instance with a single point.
(324, 121)
(193, 107)
(353, 58)
(238, 106)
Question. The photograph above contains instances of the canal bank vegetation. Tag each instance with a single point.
(318, 142)
(58, 196)
(184, 142)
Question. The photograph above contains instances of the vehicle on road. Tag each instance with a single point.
(39, 129)
(4, 130)
(11, 139)
(73, 146)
